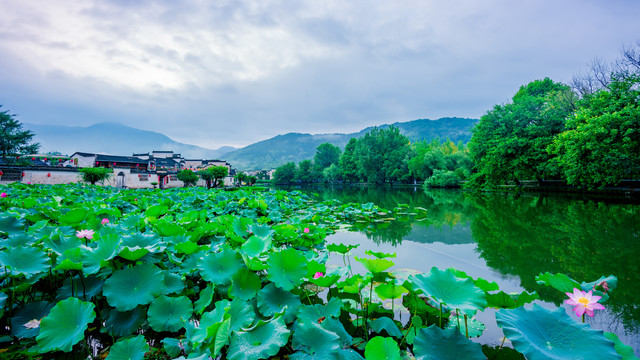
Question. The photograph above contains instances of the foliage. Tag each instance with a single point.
(188, 177)
(285, 174)
(510, 141)
(601, 144)
(93, 175)
(14, 140)
(326, 155)
(213, 175)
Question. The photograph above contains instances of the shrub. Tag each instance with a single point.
(93, 175)
(188, 177)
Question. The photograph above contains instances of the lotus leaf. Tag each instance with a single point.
(341, 248)
(450, 291)
(262, 231)
(24, 261)
(325, 281)
(3, 300)
(380, 255)
(241, 314)
(256, 245)
(314, 313)
(61, 243)
(287, 268)
(95, 258)
(375, 265)
(166, 229)
(71, 259)
(83, 288)
(187, 247)
(156, 211)
(474, 328)
(313, 341)
(483, 284)
(169, 313)
(240, 226)
(73, 216)
(65, 325)
(132, 286)
(132, 348)
(539, 334)
(261, 342)
(390, 291)
(133, 253)
(206, 296)
(20, 327)
(219, 268)
(599, 289)
(381, 348)
(123, 323)
(623, 350)
(173, 283)
(10, 225)
(510, 301)
(560, 282)
(173, 347)
(434, 343)
(272, 299)
(244, 284)
(386, 324)
(220, 333)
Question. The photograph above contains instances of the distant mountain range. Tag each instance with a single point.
(118, 139)
(114, 138)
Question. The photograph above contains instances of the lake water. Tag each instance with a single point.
(511, 238)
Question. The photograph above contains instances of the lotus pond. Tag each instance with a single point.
(93, 272)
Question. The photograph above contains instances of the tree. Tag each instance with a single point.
(348, 163)
(188, 177)
(93, 175)
(285, 174)
(326, 155)
(510, 141)
(212, 175)
(601, 146)
(305, 172)
(240, 178)
(14, 140)
(332, 174)
(381, 155)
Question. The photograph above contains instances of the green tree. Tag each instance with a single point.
(285, 174)
(348, 163)
(240, 178)
(305, 172)
(188, 177)
(326, 155)
(213, 175)
(381, 155)
(333, 173)
(602, 145)
(93, 175)
(14, 140)
(510, 141)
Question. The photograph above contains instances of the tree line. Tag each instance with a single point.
(586, 133)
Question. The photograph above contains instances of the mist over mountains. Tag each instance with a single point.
(118, 139)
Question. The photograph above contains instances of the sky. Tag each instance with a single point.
(234, 72)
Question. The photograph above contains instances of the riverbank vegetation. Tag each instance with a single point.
(586, 135)
(97, 272)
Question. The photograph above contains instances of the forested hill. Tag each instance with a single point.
(296, 147)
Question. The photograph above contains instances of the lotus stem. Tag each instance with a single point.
(583, 318)
(466, 328)
(458, 318)
(503, 339)
(84, 288)
(440, 317)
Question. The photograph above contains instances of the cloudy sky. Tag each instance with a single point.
(233, 72)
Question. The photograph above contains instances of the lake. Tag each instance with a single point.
(510, 238)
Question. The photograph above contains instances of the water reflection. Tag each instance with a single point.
(522, 236)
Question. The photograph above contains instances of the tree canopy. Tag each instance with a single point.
(13, 139)
(213, 175)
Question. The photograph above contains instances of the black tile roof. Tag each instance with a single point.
(121, 159)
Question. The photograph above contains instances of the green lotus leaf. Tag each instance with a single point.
(262, 231)
(474, 327)
(599, 289)
(261, 342)
(133, 253)
(375, 265)
(255, 263)
(623, 350)
(219, 268)
(132, 286)
(10, 225)
(390, 291)
(434, 343)
(3, 300)
(169, 313)
(272, 299)
(380, 255)
(156, 211)
(341, 248)
(206, 296)
(123, 323)
(24, 261)
(313, 341)
(73, 216)
(560, 282)
(381, 348)
(137, 245)
(510, 301)
(173, 347)
(95, 258)
(59, 243)
(352, 285)
(450, 291)
(244, 284)
(81, 287)
(17, 239)
(256, 245)
(187, 247)
(539, 333)
(167, 229)
(132, 348)
(314, 313)
(71, 259)
(386, 324)
(197, 335)
(25, 323)
(173, 283)
(220, 333)
(240, 226)
(287, 268)
(241, 314)
(65, 325)
(483, 284)
(325, 281)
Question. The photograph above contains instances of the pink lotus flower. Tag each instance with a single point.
(318, 275)
(306, 230)
(583, 302)
(3, 195)
(104, 221)
(88, 234)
